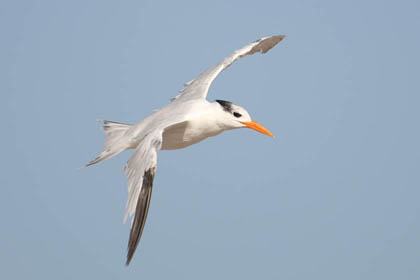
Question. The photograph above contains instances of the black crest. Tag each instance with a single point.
(227, 105)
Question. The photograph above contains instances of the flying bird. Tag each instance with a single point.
(188, 119)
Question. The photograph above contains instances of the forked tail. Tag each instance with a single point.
(115, 142)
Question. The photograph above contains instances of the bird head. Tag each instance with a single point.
(235, 116)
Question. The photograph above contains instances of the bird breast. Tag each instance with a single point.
(187, 133)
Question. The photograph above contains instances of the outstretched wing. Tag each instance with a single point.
(140, 171)
(199, 87)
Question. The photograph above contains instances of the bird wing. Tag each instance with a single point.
(140, 171)
(198, 88)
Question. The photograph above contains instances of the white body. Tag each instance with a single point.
(198, 126)
(187, 120)
(195, 122)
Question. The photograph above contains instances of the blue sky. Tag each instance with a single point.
(334, 196)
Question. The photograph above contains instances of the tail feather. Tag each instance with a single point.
(114, 141)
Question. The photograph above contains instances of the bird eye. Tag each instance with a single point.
(237, 115)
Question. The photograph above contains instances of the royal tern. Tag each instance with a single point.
(188, 119)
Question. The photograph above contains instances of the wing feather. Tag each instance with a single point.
(143, 159)
(198, 88)
(142, 209)
(140, 171)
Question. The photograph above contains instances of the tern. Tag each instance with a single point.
(188, 119)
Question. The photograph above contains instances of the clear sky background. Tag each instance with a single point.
(336, 195)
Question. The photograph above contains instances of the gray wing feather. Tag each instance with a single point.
(199, 87)
(143, 159)
(140, 170)
(142, 209)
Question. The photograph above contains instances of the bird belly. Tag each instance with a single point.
(185, 134)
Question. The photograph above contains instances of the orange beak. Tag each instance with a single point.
(256, 126)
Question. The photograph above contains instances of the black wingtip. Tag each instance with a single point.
(140, 216)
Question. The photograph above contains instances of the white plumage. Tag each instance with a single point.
(188, 119)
